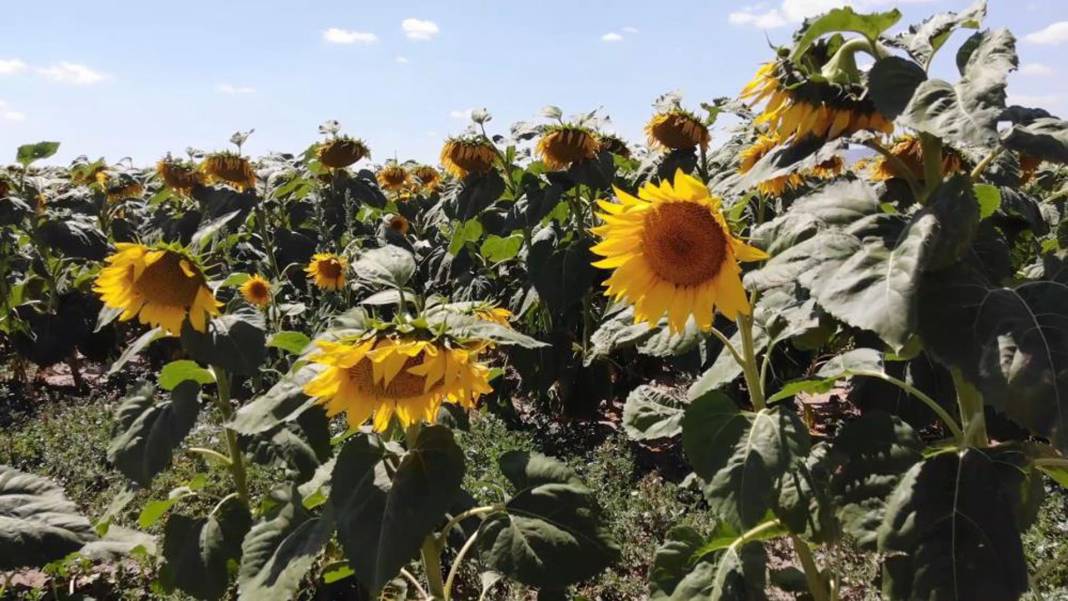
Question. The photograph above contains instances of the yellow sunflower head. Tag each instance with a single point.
(429, 177)
(399, 224)
(490, 312)
(614, 144)
(677, 129)
(121, 187)
(180, 176)
(161, 286)
(909, 154)
(796, 106)
(563, 145)
(257, 291)
(327, 270)
(229, 168)
(382, 376)
(466, 155)
(751, 155)
(1028, 167)
(87, 174)
(393, 177)
(342, 151)
(672, 253)
(828, 169)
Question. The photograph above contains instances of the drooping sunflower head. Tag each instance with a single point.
(429, 177)
(123, 186)
(342, 151)
(751, 155)
(399, 224)
(797, 106)
(672, 253)
(327, 270)
(908, 159)
(256, 291)
(180, 176)
(385, 375)
(677, 129)
(161, 286)
(393, 177)
(563, 145)
(465, 155)
(1028, 167)
(229, 168)
(614, 144)
(829, 168)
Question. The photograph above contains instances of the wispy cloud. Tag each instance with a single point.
(232, 90)
(761, 20)
(72, 73)
(336, 35)
(10, 66)
(402, 60)
(419, 29)
(9, 114)
(1052, 35)
(611, 37)
(1035, 69)
(630, 30)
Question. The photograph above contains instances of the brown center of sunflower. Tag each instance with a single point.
(398, 224)
(330, 268)
(403, 385)
(683, 243)
(165, 283)
(258, 289)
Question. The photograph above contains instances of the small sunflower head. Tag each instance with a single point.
(909, 154)
(160, 285)
(676, 129)
(327, 270)
(429, 178)
(564, 145)
(1028, 167)
(229, 168)
(180, 176)
(256, 291)
(123, 186)
(614, 144)
(398, 223)
(86, 174)
(393, 177)
(340, 152)
(468, 155)
(828, 169)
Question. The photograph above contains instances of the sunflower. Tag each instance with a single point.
(828, 169)
(393, 178)
(1028, 166)
(384, 376)
(776, 186)
(341, 152)
(87, 174)
(257, 291)
(399, 224)
(497, 315)
(160, 285)
(614, 144)
(180, 176)
(909, 152)
(676, 129)
(229, 168)
(429, 177)
(328, 270)
(799, 107)
(464, 156)
(563, 145)
(672, 252)
(123, 187)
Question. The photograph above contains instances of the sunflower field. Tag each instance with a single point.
(836, 341)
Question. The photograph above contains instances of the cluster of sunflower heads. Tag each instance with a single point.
(161, 285)
(178, 175)
(407, 180)
(468, 155)
(229, 168)
(342, 151)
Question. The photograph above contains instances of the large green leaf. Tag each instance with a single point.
(37, 522)
(283, 402)
(967, 113)
(950, 532)
(74, 237)
(922, 41)
(28, 153)
(845, 19)
(278, 552)
(685, 570)
(892, 81)
(650, 413)
(382, 521)
(1045, 138)
(552, 534)
(235, 342)
(149, 431)
(389, 266)
(198, 550)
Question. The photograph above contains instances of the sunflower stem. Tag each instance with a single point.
(902, 169)
(431, 556)
(932, 164)
(947, 419)
(454, 569)
(749, 362)
(237, 459)
(983, 164)
(817, 586)
(972, 412)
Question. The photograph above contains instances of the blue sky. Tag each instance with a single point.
(122, 78)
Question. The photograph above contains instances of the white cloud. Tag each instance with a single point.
(630, 30)
(1052, 35)
(336, 35)
(8, 114)
(10, 66)
(402, 60)
(1036, 69)
(72, 73)
(765, 20)
(611, 37)
(419, 29)
(464, 114)
(232, 90)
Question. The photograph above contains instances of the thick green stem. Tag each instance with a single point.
(932, 164)
(237, 458)
(431, 555)
(817, 586)
(972, 413)
(983, 164)
(454, 570)
(749, 362)
(947, 419)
